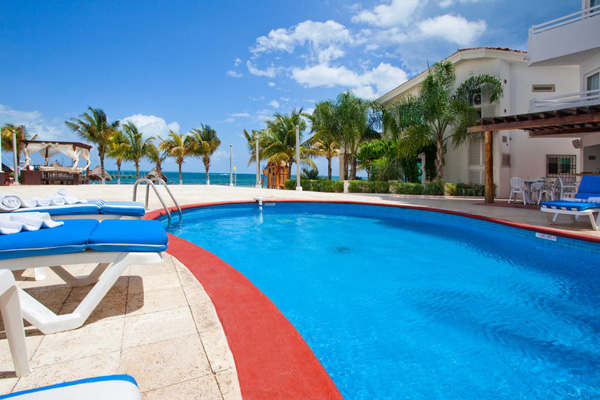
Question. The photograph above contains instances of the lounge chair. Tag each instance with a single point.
(114, 387)
(586, 202)
(97, 209)
(111, 244)
(13, 322)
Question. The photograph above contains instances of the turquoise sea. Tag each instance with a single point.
(189, 178)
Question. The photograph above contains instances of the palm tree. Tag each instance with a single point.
(156, 156)
(359, 119)
(439, 113)
(278, 140)
(178, 146)
(95, 128)
(118, 149)
(7, 138)
(327, 128)
(137, 145)
(204, 143)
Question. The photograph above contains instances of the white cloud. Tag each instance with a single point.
(270, 72)
(274, 103)
(271, 84)
(371, 83)
(36, 124)
(151, 125)
(452, 28)
(234, 74)
(448, 3)
(323, 39)
(237, 61)
(398, 12)
(243, 115)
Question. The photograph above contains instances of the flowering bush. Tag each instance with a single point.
(469, 189)
(433, 188)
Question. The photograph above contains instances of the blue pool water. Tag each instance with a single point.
(406, 304)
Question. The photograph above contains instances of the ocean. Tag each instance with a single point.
(189, 178)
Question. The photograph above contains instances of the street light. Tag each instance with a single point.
(298, 187)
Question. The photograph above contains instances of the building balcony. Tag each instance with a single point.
(568, 40)
(581, 99)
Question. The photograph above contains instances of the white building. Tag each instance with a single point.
(574, 41)
(514, 152)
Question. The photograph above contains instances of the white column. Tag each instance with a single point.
(16, 166)
(230, 165)
(298, 187)
(257, 165)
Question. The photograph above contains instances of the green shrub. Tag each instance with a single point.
(339, 186)
(356, 187)
(406, 188)
(290, 184)
(328, 186)
(469, 189)
(433, 188)
(450, 189)
(382, 187)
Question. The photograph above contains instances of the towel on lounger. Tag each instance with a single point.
(15, 223)
(68, 197)
(11, 202)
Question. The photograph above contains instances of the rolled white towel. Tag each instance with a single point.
(10, 202)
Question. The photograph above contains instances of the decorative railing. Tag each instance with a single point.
(566, 20)
(581, 99)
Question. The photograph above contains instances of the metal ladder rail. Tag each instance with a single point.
(163, 183)
(151, 184)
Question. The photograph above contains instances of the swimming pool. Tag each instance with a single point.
(402, 303)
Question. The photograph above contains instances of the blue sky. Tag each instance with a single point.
(230, 64)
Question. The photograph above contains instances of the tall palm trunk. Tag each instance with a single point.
(180, 177)
(329, 157)
(439, 159)
(207, 166)
(119, 171)
(101, 154)
(137, 170)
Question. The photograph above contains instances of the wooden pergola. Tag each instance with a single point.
(556, 123)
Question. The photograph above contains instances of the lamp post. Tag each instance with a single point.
(257, 165)
(298, 186)
(230, 165)
(15, 157)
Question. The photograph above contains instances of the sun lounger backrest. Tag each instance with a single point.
(589, 187)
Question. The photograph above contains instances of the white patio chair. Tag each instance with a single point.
(517, 185)
(547, 189)
(535, 189)
(566, 186)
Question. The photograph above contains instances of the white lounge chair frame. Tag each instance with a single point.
(10, 306)
(552, 214)
(110, 267)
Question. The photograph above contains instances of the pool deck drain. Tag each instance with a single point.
(159, 324)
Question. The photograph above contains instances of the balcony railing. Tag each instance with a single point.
(581, 99)
(566, 20)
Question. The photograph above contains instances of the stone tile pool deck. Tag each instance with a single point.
(157, 323)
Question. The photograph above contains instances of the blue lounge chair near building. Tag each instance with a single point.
(585, 203)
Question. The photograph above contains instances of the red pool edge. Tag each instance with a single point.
(272, 360)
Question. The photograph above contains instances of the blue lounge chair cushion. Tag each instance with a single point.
(129, 235)
(71, 237)
(569, 205)
(129, 208)
(90, 207)
(589, 187)
(102, 387)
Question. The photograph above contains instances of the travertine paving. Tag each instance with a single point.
(157, 323)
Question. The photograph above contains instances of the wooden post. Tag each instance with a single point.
(489, 166)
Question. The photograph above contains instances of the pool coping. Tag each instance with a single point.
(273, 361)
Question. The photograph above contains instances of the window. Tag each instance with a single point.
(593, 81)
(543, 88)
(560, 165)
